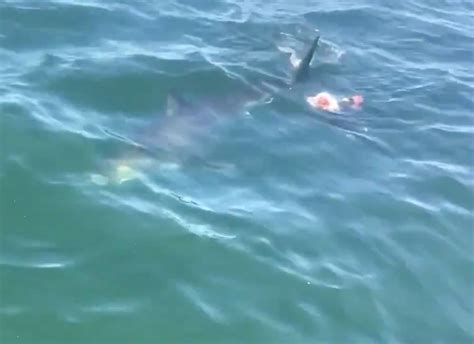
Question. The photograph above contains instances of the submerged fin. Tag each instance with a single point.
(303, 67)
(172, 106)
(175, 103)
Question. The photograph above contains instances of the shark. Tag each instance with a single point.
(176, 136)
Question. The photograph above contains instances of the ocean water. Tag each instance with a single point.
(232, 212)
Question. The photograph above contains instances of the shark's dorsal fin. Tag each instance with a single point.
(302, 70)
(175, 104)
(172, 106)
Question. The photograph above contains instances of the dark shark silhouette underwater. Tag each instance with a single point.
(185, 123)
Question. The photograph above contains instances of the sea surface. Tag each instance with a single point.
(162, 181)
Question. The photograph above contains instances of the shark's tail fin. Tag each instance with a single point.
(303, 68)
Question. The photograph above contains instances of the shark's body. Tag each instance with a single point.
(177, 136)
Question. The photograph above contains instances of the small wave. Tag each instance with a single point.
(37, 261)
(138, 204)
(6, 310)
(446, 167)
(112, 308)
(198, 299)
(53, 115)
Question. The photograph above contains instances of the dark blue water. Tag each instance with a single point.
(232, 212)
